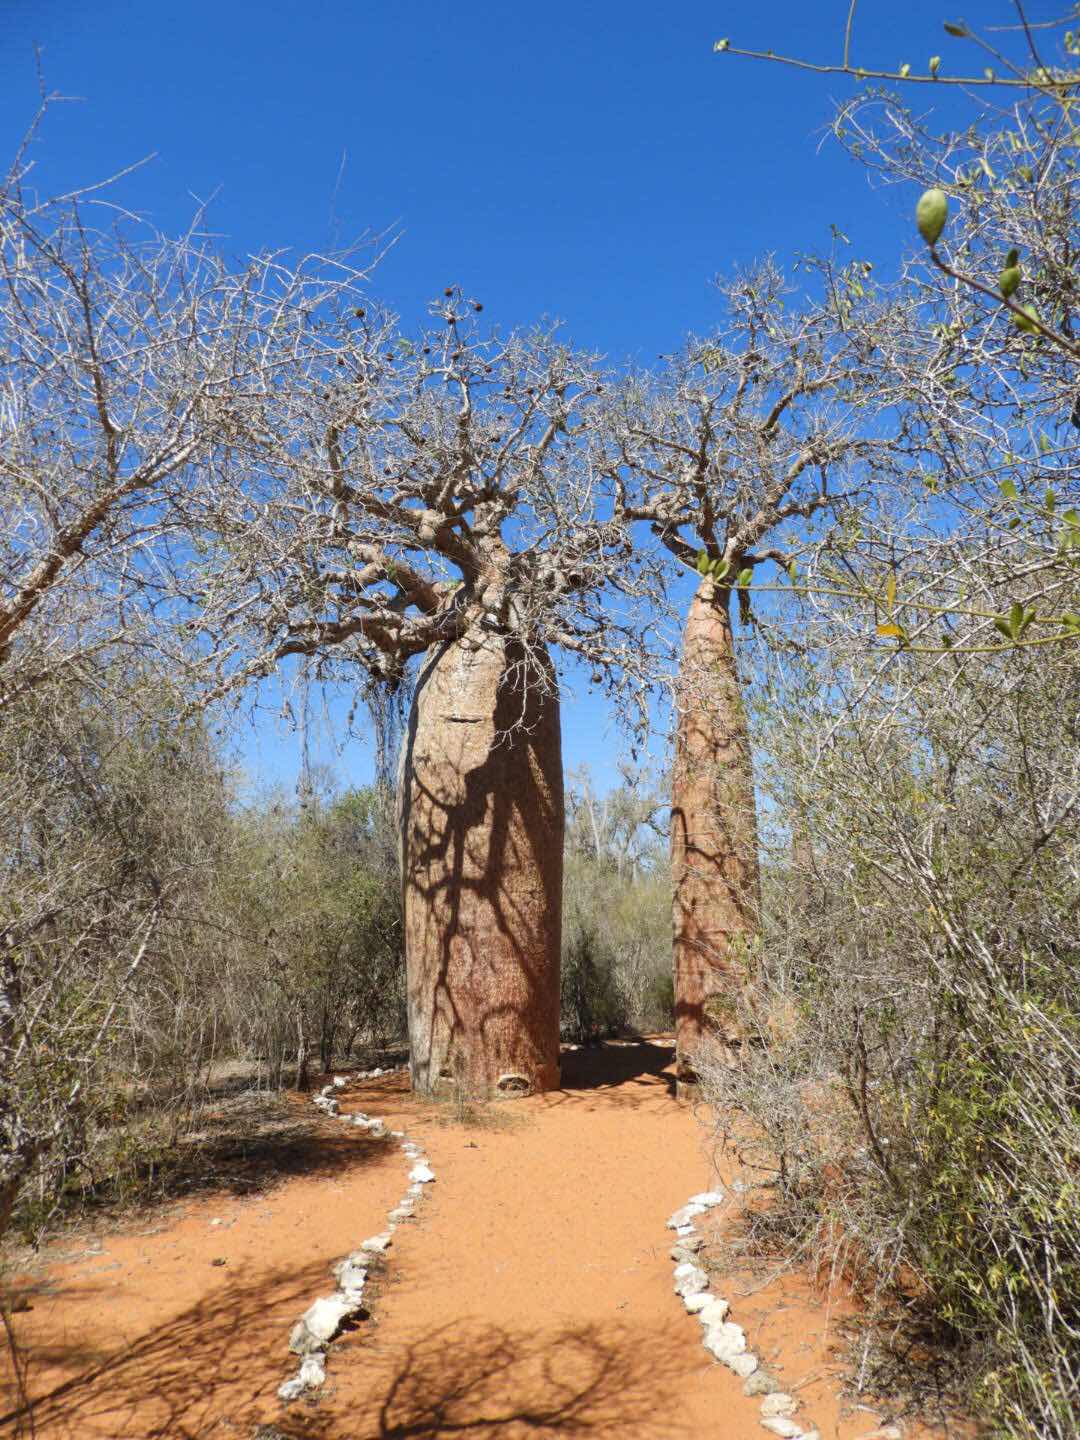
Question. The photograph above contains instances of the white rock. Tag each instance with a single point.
(726, 1340)
(397, 1134)
(339, 1082)
(376, 1244)
(761, 1383)
(687, 1232)
(707, 1199)
(697, 1302)
(714, 1311)
(782, 1426)
(400, 1213)
(779, 1403)
(421, 1175)
(416, 1189)
(292, 1389)
(377, 1130)
(323, 1318)
(742, 1365)
(326, 1090)
(685, 1215)
(689, 1279)
(351, 1273)
(312, 1372)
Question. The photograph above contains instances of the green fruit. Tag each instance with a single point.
(1009, 280)
(1026, 322)
(931, 213)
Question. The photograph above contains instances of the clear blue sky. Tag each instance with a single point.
(593, 160)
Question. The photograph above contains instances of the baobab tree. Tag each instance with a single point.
(440, 497)
(728, 455)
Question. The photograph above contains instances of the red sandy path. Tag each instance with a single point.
(532, 1297)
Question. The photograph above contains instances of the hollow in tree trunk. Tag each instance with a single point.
(482, 818)
(714, 860)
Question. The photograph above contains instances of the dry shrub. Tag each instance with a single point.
(912, 1106)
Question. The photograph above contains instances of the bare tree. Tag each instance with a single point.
(743, 441)
(440, 495)
(121, 353)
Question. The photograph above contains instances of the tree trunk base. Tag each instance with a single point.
(715, 885)
(482, 819)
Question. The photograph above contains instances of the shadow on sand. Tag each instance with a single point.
(206, 1374)
(624, 1066)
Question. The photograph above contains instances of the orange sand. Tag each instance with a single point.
(532, 1296)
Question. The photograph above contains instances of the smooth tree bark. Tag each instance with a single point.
(482, 845)
(726, 456)
(714, 862)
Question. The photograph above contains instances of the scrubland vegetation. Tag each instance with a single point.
(834, 544)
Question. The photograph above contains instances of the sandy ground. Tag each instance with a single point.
(531, 1297)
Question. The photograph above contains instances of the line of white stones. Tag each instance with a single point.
(723, 1339)
(322, 1320)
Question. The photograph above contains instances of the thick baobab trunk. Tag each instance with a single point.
(714, 862)
(482, 855)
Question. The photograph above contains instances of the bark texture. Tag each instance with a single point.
(482, 823)
(714, 858)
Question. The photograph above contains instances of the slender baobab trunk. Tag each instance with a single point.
(482, 857)
(714, 860)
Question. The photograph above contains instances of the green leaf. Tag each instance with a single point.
(890, 592)
(1003, 628)
(1008, 489)
(1050, 500)
(720, 568)
(792, 571)
(703, 563)
(744, 577)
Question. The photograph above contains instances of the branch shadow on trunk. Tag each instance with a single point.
(482, 827)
